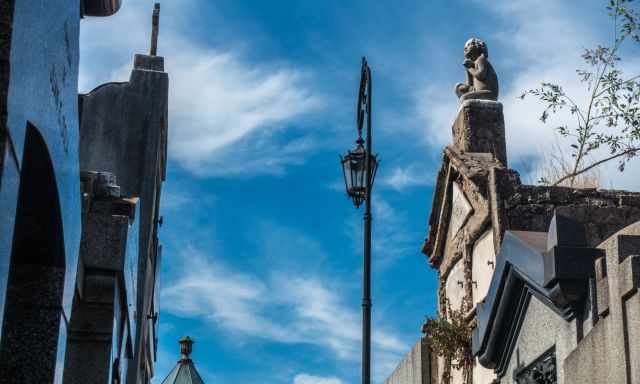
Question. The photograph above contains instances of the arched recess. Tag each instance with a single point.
(33, 305)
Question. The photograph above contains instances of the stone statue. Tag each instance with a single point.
(482, 81)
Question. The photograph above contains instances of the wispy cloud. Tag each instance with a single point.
(228, 115)
(304, 378)
(400, 178)
(393, 238)
(283, 308)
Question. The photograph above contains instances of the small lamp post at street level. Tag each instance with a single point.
(359, 167)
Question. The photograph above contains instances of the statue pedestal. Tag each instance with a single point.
(479, 128)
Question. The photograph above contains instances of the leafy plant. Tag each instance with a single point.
(449, 337)
(611, 116)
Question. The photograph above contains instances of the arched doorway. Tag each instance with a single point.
(35, 288)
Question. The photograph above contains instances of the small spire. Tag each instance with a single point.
(186, 346)
(155, 25)
(185, 370)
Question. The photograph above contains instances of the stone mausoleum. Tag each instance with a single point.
(80, 184)
(547, 277)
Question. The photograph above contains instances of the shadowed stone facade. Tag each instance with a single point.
(545, 275)
(79, 204)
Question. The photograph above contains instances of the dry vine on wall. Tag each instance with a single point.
(449, 336)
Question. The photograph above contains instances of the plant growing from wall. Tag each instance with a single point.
(610, 117)
(449, 336)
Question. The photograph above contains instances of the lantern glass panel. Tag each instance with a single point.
(357, 167)
(353, 167)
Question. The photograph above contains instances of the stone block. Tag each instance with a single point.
(602, 286)
(479, 127)
(104, 241)
(629, 275)
(415, 368)
(632, 327)
(153, 63)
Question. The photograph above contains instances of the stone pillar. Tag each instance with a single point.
(89, 343)
(98, 318)
(479, 128)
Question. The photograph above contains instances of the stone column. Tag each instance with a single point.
(479, 128)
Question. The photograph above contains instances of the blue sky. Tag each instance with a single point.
(262, 250)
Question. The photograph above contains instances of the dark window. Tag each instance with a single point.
(541, 371)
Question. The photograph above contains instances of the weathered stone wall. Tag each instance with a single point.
(454, 284)
(484, 261)
(131, 143)
(38, 94)
(602, 212)
(610, 352)
(415, 368)
(592, 338)
(542, 329)
(39, 76)
(102, 315)
(482, 375)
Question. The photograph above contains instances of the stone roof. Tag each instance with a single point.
(185, 371)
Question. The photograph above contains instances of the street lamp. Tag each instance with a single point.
(359, 169)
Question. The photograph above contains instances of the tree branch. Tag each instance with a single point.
(573, 103)
(593, 165)
(629, 80)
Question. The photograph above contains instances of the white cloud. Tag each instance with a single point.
(304, 378)
(230, 299)
(393, 237)
(225, 112)
(227, 115)
(401, 178)
(175, 200)
(548, 41)
(284, 308)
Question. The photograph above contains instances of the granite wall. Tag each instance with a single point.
(131, 144)
(45, 141)
(610, 352)
(38, 113)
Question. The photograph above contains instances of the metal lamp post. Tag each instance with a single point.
(359, 168)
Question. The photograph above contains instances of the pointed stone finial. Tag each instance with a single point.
(155, 25)
(186, 346)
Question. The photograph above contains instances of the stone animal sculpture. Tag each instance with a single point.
(481, 78)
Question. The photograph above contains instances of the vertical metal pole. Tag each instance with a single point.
(366, 283)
